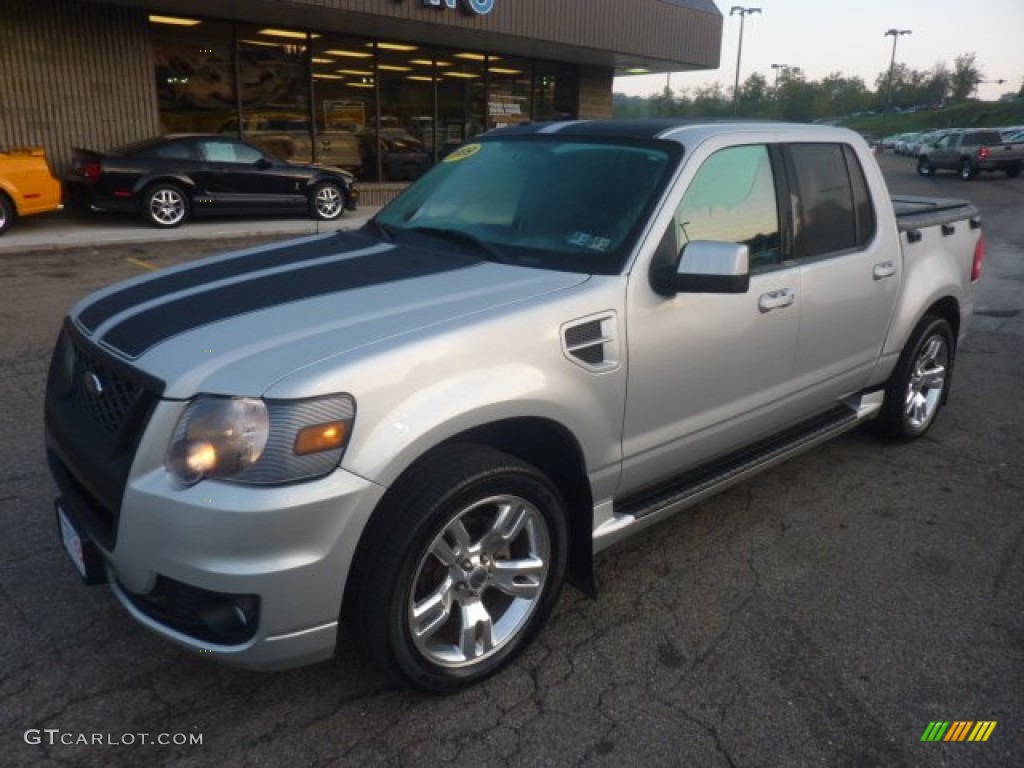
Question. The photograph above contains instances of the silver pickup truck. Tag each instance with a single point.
(559, 336)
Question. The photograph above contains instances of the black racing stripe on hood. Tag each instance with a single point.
(97, 313)
(140, 332)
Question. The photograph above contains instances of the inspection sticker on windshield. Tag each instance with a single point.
(463, 152)
(594, 243)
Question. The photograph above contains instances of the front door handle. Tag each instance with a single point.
(783, 297)
(883, 269)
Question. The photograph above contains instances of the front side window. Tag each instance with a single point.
(229, 152)
(732, 199)
(549, 202)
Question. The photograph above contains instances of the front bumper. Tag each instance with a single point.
(249, 575)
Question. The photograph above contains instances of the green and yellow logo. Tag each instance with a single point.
(958, 730)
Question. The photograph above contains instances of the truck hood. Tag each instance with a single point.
(237, 323)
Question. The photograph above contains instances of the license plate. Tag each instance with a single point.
(72, 541)
(80, 548)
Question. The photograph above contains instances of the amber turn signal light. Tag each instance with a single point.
(320, 437)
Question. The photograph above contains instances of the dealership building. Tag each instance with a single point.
(319, 80)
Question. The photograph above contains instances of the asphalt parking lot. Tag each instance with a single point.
(822, 614)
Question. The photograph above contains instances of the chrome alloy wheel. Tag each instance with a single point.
(167, 207)
(328, 201)
(927, 380)
(480, 581)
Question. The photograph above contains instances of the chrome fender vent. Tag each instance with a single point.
(592, 342)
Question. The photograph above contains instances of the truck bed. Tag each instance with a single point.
(913, 212)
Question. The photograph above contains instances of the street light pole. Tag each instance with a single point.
(778, 67)
(892, 63)
(743, 12)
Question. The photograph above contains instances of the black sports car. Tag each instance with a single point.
(170, 178)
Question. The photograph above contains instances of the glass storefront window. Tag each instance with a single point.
(508, 91)
(274, 91)
(344, 99)
(460, 97)
(311, 96)
(406, 103)
(555, 89)
(195, 75)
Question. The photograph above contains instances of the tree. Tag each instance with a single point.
(753, 98)
(965, 78)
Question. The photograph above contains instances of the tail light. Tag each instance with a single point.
(979, 256)
(92, 169)
(984, 153)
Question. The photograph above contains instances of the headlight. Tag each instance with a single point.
(246, 440)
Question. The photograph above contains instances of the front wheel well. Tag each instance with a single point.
(554, 450)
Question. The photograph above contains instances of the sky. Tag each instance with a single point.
(848, 36)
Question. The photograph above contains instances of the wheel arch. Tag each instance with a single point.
(184, 183)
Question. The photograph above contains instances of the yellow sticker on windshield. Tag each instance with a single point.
(463, 152)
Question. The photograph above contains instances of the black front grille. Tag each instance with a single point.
(102, 394)
(97, 408)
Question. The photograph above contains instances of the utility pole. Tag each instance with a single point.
(743, 12)
(892, 63)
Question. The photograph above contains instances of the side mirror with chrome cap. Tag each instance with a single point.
(705, 266)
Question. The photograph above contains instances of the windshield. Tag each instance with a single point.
(547, 201)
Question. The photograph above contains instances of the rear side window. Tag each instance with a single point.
(832, 209)
(982, 138)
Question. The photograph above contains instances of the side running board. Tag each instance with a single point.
(657, 502)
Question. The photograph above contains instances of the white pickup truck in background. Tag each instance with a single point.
(560, 335)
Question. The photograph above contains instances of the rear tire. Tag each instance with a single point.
(967, 170)
(920, 382)
(327, 201)
(165, 206)
(1013, 171)
(459, 568)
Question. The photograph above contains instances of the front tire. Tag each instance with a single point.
(1013, 171)
(328, 201)
(919, 384)
(460, 569)
(165, 206)
(6, 213)
(924, 168)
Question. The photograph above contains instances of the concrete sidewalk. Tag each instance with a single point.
(66, 229)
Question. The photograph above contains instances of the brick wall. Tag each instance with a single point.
(596, 92)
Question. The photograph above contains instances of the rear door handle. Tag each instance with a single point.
(776, 299)
(883, 269)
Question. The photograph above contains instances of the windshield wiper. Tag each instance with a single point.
(464, 238)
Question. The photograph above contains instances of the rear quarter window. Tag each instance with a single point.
(981, 139)
(832, 209)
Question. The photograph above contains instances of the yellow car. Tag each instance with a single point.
(27, 186)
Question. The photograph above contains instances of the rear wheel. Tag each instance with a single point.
(918, 386)
(967, 170)
(461, 568)
(6, 213)
(328, 201)
(1013, 171)
(165, 206)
